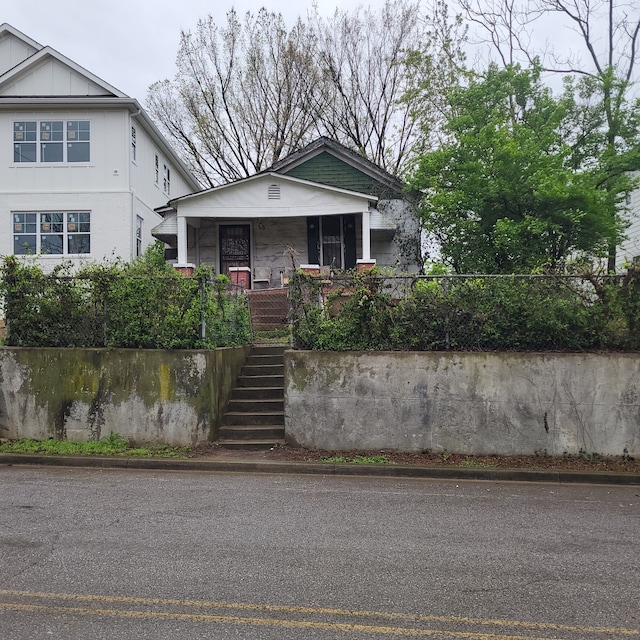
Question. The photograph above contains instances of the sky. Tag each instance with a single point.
(132, 43)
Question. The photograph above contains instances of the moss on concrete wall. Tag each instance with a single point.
(176, 397)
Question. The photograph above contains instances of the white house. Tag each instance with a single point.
(325, 204)
(629, 250)
(83, 167)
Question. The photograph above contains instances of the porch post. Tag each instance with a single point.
(366, 235)
(182, 239)
(366, 264)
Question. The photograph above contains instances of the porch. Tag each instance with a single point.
(259, 229)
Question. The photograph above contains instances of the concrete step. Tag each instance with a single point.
(255, 414)
(256, 393)
(261, 381)
(252, 445)
(268, 326)
(268, 349)
(269, 358)
(251, 432)
(256, 405)
(244, 418)
(263, 370)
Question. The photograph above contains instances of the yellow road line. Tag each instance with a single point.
(265, 622)
(320, 611)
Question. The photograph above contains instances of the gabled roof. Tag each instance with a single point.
(48, 54)
(96, 92)
(273, 175)
(7, 29)
(323, 144)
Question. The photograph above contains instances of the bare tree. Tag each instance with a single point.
(370, 62)
(247, 93)
(244, 94)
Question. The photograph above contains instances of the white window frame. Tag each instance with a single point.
(133, 144)
(35, 225)
(47, 132)
(139, 225)
(166, 179)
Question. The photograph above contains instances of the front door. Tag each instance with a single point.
(234, 246)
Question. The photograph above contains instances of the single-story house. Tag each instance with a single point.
(324, 205)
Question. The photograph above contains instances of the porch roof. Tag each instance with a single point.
(271, 195)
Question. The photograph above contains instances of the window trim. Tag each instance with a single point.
(41, 139)
(166, 179)
(134, 143)
(139, 224)
(67, 232)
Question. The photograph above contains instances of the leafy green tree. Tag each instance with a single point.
(601, 69)
(501, 195)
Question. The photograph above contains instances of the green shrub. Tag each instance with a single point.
(507, 313)
(142, 304)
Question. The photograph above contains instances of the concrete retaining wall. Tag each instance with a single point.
(170, 397)
(473, 403)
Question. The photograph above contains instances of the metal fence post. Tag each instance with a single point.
(203, 309)
(447, 323)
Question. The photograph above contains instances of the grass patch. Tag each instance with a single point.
(113, 445)
(382, 459)
(475, 464)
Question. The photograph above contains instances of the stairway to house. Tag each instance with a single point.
(255, 413)
(269, 309)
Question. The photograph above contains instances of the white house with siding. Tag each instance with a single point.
(325, 204)
(629, 250)
(83, 167)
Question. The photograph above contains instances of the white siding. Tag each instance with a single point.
(106, 171)
(143, 170)
(52, 78)
(12, 52)
(110, 217)
(630, 248)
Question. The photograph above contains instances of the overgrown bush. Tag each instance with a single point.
(512, 313)
(142, 304)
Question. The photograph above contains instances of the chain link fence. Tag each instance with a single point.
(152, 312)
(467, 313)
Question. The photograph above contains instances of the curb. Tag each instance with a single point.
(326, 469)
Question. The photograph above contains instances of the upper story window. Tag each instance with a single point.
(166, 184)
(157, 169)
(138, 236)
(52, 232)
(133, 144)
(51, 141)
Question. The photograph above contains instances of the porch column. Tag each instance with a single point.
(366, 235)
(182, 240)
(366, 264)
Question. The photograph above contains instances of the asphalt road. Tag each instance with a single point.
(113, 554)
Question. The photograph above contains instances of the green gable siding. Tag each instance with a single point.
(325, 168)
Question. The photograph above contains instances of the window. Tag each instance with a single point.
(57, 233)
(331, 241)
(51, 141)
(133, 144)
(166, 173)
(138, 236)
(157, 169)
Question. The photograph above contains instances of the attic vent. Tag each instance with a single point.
(273, 192)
